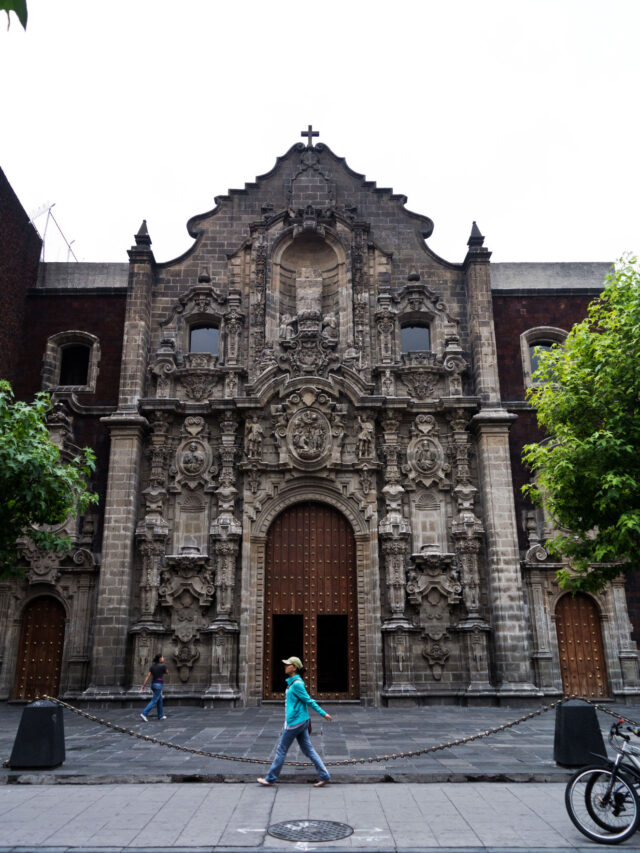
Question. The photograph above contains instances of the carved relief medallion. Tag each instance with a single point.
(309, 436)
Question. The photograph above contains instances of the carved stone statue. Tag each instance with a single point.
(287, 331)
(253, 437)
(330, 328)
(366, 438)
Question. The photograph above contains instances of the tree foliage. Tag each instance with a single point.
(587, 396)
(37, 487)
(17, 6)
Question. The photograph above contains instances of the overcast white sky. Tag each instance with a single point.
(521, 114)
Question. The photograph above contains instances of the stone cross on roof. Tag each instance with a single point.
(310, 133)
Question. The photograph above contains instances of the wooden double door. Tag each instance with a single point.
(311, 602)
(580, 647)
(40, 651)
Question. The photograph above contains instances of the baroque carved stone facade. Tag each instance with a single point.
(307, 281)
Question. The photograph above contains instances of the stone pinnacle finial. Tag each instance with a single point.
(142, 237)
(476, 239)
(477, 250)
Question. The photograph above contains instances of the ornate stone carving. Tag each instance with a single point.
(163, 366)
(308, 429)
(309, 436)
(366, 438)
(253, 438)
(425, 454)
(434, 586)
(187, 587)
(198, 383)
(194, 457)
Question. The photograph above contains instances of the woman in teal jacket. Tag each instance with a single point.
(296, 725)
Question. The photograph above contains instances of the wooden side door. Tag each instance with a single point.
(311, 601)
(40, 651)
(580, 646)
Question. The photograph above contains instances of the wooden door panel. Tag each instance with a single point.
(40, 651)
(310, 572)
(580, 646)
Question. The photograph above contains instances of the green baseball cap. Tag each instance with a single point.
(294, 662)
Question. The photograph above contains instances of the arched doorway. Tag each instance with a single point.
(40, 651)
(311, 601)
(580, 646)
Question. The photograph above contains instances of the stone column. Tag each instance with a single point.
(126, 427)
(480, 316)
(115, 586)
(510, 635)
(135, 352)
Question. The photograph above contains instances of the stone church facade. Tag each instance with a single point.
(308, 431)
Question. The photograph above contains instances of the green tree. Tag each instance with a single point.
(17, 6)
(587, 471)
(37, 486)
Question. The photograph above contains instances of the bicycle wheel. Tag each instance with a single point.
(606, 810)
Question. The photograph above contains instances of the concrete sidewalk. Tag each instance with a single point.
(96, 754)
(216, 817)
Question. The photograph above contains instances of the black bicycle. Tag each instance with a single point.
(602, 799)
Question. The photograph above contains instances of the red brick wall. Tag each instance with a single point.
(101, 315)
(19, 256)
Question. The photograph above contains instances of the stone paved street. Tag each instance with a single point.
(217, 817)
(521, 753)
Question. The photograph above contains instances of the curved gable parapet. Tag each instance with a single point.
(314, 174)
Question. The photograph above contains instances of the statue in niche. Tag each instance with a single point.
(193, 459)
(330, 328)
(287, 332)
(350, 356)
(366, 438)
(254, 435)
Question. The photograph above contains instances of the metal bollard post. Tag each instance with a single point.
(40, 738)
(578, 739)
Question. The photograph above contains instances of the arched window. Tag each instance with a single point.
(204, 339)
(74, 364)
(71, 361)
(532, 343)
(415, 339)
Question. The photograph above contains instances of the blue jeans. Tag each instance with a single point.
(156, 699)
(301, 734)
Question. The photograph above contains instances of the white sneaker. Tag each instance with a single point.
(164, 718)
(146, 719)
(264, 782)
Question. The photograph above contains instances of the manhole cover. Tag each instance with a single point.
(310, 830)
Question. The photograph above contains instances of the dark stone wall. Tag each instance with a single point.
(19, 257)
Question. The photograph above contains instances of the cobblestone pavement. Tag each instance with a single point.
(215, 817)
(97, 754)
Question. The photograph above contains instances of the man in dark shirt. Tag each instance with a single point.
(157, 671)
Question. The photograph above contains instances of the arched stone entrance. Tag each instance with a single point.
(580, 647)
(40, 650)
(311, 601)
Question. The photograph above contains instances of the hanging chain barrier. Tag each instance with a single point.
(346, 762)
(393, 756)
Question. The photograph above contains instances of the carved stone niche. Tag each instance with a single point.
(433, 585)
(309, 429)
(187, 588)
